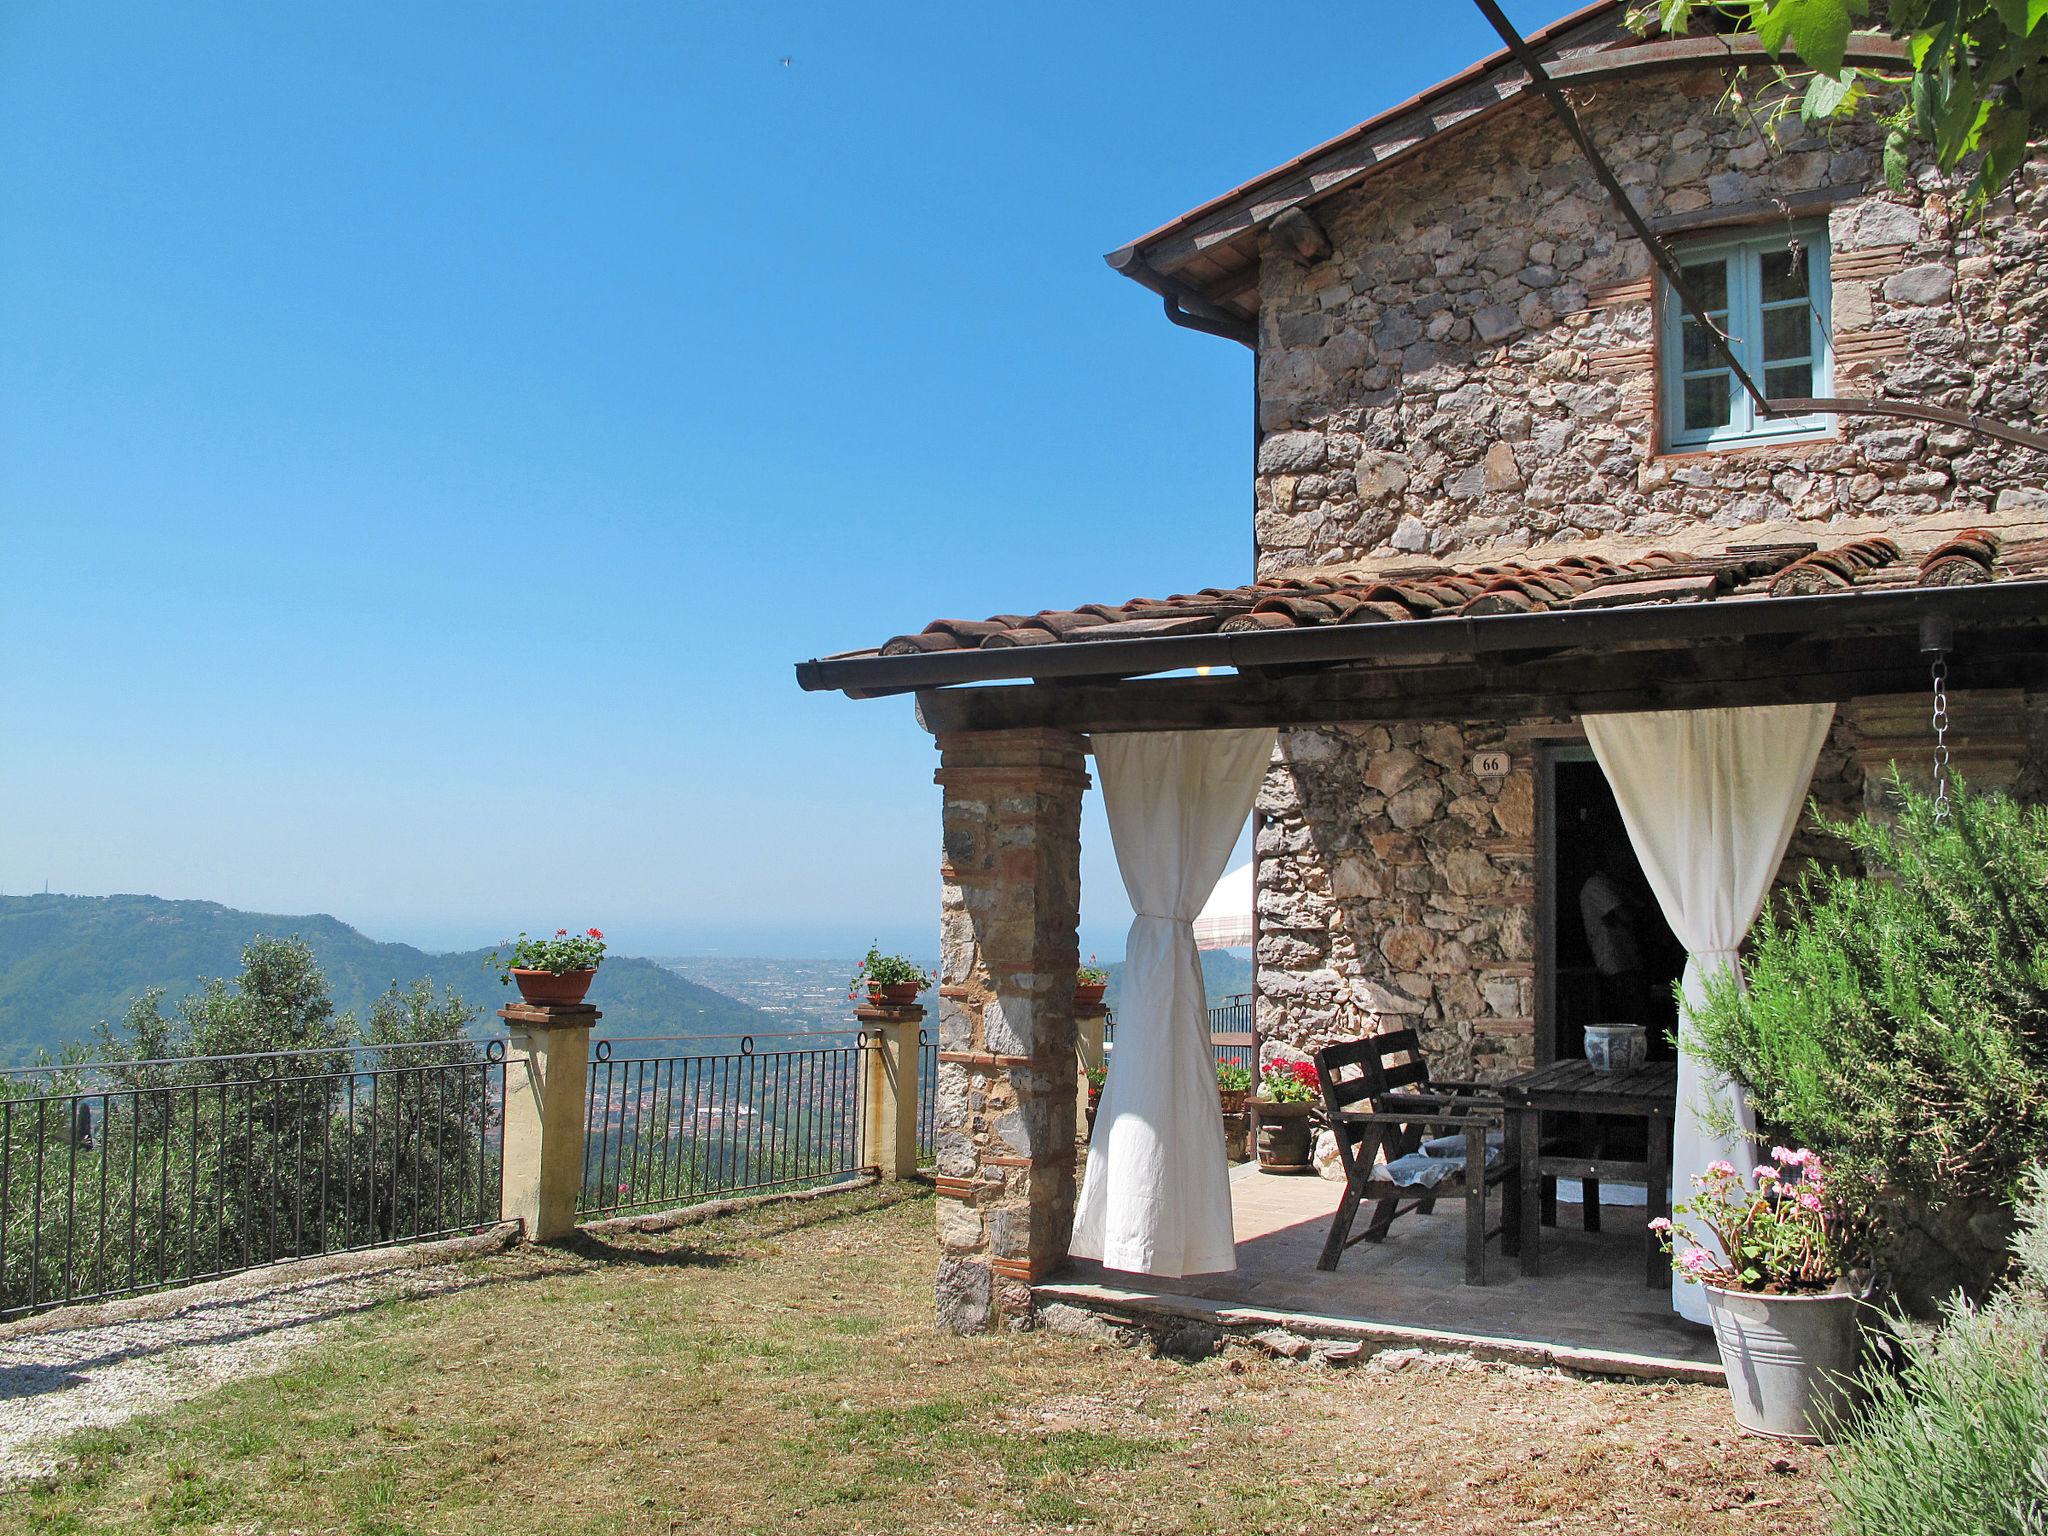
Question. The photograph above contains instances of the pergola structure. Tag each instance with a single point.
(1017, 702)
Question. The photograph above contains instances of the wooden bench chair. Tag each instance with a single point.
(1379, 1106)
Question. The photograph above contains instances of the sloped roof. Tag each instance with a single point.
(1211, 252)
(1405, 590)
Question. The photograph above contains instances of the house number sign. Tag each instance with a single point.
(1489, 765)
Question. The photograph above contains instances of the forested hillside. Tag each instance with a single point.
(66, 962)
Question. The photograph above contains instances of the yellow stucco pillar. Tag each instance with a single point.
(890, 1050)
(547, 1087)
(1090, 1029)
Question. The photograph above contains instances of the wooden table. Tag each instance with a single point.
(1648, 1093)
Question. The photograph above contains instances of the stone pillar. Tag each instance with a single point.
(547, 1088)
(1009, 946)
(1090, 1053)
(890, 1053)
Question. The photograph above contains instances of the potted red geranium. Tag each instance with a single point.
(1090, 982)
(892, 979)
(1287, 1095)
(555, 971)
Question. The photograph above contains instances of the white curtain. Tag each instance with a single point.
(1156, 1198)
(1710, 798)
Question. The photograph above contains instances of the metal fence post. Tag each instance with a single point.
(547, 1074)
(889, 1037)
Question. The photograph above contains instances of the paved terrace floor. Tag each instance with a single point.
(1589, 1309)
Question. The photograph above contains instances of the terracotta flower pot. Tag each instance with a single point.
(1088, 994)
(895, 994)
(1283, 1137)
(554, 988)
(1237, 1136)
(1233, 1102)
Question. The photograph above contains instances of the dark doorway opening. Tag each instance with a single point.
(1613, 958)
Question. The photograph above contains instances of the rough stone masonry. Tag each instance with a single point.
(1472, 371)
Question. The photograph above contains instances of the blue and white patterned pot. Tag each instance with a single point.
(1616, 1047)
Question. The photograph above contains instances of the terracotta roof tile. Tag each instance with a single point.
(1417, 591)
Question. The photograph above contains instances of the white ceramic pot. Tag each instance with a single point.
(1791, 1360)
(1616, 1047)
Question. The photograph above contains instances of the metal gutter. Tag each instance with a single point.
(2001, 602)
(1184, 306)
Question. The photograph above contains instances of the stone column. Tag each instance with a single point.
(891, 1052)
(547, 1087)
(1009, 947)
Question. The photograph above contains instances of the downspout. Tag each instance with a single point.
(1214, 323)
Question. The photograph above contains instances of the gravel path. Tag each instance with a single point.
(98, 1366)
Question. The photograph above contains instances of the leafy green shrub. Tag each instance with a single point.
(1959, 1441)
(1231, 1079)
(1897, 1020)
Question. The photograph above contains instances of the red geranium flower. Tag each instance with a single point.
(595, 933)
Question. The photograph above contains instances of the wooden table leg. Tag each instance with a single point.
(1528, 1152)
(1589, 1186)
(1657, 1264)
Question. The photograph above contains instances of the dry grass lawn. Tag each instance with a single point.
(777, 1372)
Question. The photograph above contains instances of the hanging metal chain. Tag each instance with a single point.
(1940, 737)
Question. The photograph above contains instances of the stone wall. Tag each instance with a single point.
(1473, 367)
(1395, 888)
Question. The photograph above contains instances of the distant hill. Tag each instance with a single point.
(1224, 974)
(66, 962)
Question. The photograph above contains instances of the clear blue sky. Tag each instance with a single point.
(429, 433)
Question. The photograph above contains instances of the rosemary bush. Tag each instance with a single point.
(1959, 1441)
(1897, 1019)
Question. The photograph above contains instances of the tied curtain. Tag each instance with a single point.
(1710, 798)
(1156, 1198)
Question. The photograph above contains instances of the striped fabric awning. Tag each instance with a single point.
(1226, 920)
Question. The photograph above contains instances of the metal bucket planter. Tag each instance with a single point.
(1791, 1360)
(1283, 1137)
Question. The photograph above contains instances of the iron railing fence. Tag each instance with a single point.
(666, 1130)
(1232, 1035)
(123, 1177)
(927, 1099)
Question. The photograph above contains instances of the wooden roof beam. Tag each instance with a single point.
(1811, 671)
(1673, 55)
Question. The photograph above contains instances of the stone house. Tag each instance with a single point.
(1501, 486)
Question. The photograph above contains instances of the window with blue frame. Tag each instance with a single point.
(1769, 294)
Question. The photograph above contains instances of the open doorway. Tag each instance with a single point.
(1611, 956)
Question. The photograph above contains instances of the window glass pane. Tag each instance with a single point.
(1709, 283)
(1788, 332)
(1784, 275)
(1699, 351)
(1788, 383)
(1706, 402)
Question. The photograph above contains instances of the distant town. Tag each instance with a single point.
(800, 995)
